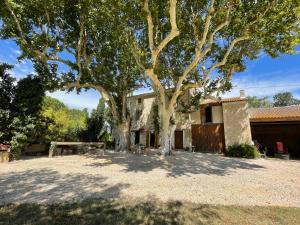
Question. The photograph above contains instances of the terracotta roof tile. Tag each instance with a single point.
(223, 100)
(284, 113)
(234, 99)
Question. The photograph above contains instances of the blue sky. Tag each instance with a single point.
(263, 77)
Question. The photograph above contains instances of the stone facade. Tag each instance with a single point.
(236, 123)
(232, 114)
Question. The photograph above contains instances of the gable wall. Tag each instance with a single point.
(236, 123)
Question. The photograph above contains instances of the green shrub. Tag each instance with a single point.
(243, 151)
(18, 143)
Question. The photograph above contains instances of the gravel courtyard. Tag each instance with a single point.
(193, 177)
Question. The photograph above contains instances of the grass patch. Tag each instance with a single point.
(121, 211)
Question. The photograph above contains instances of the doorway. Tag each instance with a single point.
(152, 139)
(137, 138)
(178, 139)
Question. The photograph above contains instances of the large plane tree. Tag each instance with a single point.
(199, 45)
(78, 44)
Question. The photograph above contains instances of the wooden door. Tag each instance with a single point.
(147, 138)
(156, 137)
(178, 139)
(208, 138)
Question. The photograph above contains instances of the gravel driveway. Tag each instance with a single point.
(194, 177)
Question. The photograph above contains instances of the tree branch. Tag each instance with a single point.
(104, 93)
(16, 21)
(136, 55)
(64, 61)
(173, 33)
(224, 60)
(79, 48)
(198, 53)
(207, 25)
(212, 36)
(150, 25)
(156, 51)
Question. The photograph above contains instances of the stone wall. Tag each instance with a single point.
(4, 156)
(145, 119)
(236, 123)
(217, 114)
(196, 117)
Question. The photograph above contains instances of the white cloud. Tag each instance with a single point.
(15, 51)
(86, 99)
(266, 84)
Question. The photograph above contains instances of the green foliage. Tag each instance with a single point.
(155, 117)
(242, 150)
(88, 39)
(255, 102)
(21, 122)
(98, 123)
(28, 97)
(26, 131)
(7, 91)
(285, 99)
(28, 126)
(18, 143)
(66, 124)
(267, 26)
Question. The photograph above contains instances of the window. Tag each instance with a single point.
(208, 115)
(139, 100)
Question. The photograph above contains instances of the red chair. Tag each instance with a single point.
(280, 148)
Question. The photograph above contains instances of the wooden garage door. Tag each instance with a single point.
(178, 139)
(208, 138)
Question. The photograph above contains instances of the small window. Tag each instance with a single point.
(139, 100)
(208, 115)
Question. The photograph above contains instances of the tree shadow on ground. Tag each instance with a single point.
(109, 211)
(47, 185)
(179, 164)
(130, 211)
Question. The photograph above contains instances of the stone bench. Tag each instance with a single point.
(54, 146)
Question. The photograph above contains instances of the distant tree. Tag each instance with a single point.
(66, 123)
(98, 123)
(28, 125)
(28, 96)
(255, 102)
(7, 91)
(285, 99)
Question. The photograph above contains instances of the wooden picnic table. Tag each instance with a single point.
(55, 144)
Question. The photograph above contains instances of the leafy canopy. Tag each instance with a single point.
(66, 124)
(7, 91)
(256, 102)
(285, 99)
(77, 44)
(206, 42)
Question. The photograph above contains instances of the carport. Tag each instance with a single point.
(270, 125)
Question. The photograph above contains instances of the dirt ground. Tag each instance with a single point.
(191, 177)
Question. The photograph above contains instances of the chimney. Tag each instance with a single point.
(242, 94)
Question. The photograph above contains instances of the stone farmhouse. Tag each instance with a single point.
(216, 125)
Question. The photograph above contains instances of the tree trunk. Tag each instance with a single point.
(121, 137)
(166, 132)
